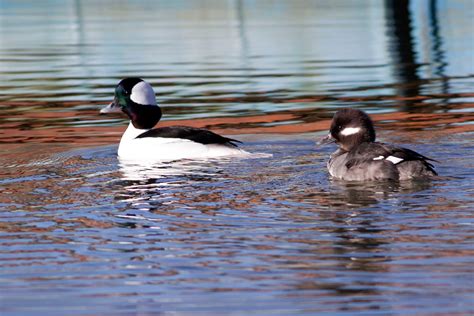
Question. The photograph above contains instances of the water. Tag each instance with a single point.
(84, 234)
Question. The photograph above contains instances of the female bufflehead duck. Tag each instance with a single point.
(361, 158)
(136, 98)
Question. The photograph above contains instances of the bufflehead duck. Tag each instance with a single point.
(136, 98)
(360, 158)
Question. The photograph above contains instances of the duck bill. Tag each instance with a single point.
(111, 108)
(328, 139)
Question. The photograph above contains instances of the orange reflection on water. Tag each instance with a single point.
(23, 122)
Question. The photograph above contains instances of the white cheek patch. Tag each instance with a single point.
(142, 93)
(379, 158)
(394, 159)
(350, 131)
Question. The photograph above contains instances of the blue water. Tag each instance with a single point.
(82, 233)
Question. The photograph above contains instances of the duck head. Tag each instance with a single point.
(136, 98)
(350, 128)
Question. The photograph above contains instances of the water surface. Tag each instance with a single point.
(82, 233)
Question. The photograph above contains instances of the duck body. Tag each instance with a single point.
(141, 141)
(379, 161)
(360, 158)
(175, 143)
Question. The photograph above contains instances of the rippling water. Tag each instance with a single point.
(82, 233)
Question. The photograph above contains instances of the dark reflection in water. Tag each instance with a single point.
(84, 234)
(438, 51)
(367, 194)
(402, 48)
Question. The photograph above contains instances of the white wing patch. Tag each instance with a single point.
(394, 159)
(350, 131)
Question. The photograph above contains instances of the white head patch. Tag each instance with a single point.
(350, 131)
(142, 93)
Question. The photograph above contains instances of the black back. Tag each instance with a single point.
(198, 135)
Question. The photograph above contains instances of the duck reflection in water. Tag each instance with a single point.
(158, 186)
(188, 169)
(363, 194)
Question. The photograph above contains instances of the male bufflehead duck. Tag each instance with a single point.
(360, 158)
(136, 98)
